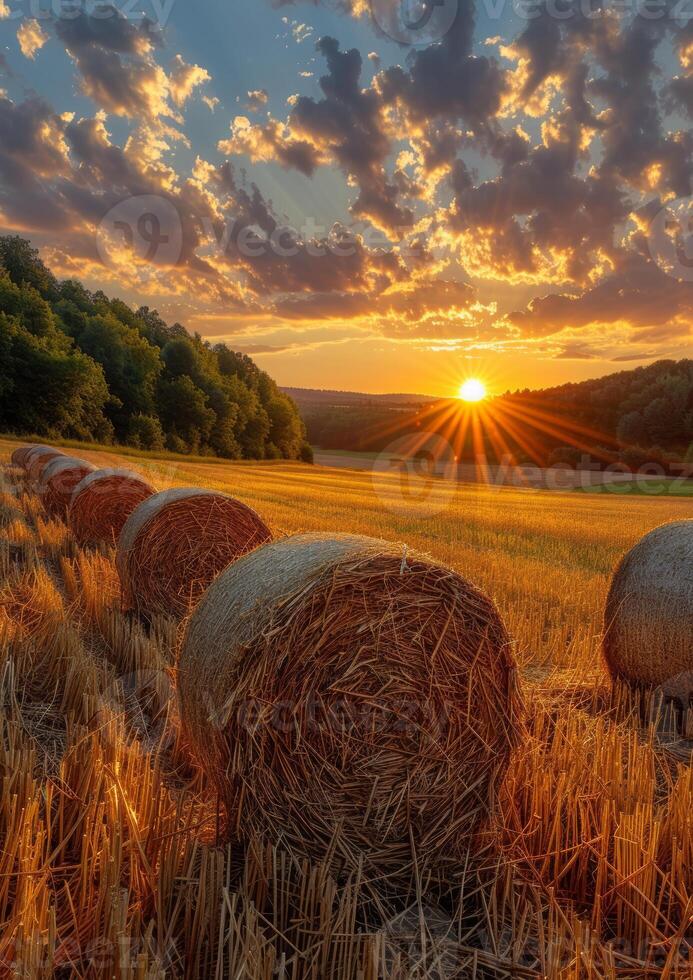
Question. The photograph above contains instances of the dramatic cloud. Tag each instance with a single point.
(31, 37)
(346, 127)
(475, 190)
(184, 79)
(638, 294)
(257, 99)
(270, 141)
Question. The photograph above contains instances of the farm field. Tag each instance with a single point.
(112, 860)
(528, 476)
(545, 557)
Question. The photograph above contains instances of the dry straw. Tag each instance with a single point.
(30, 450)
(176, 543)
(102, 503)
(648, 639)
(58, 480)
(351, 701)
(38, 458)
(19, 456)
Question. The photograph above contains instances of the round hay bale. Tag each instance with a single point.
(648, 624)
(59, 478)
(38, 458)
(343, 694)
(20, 454)
(175, 544)
(102, 503)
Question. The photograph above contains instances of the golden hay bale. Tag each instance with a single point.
(38, 458)
(648, 638)
(102, 503)
(176, 543)
(59, 478)
(340, 692)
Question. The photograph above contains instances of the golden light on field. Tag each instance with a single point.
(100, 797)
(472, 390)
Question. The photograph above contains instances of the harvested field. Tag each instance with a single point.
(113, 859)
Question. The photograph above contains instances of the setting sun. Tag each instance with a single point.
(472, 390)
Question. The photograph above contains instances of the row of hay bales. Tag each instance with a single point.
(346, 696)
(95, 502)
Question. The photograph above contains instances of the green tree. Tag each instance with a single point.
(131, 366)
(50, 391)
(24, 265)
(145, 432)
(631, 430)
(132, 375)
(184, 412)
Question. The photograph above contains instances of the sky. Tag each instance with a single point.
(366, 194)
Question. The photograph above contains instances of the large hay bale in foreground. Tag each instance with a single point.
(648, 626)
(175, 544)
(342, 693)
(102, 503)
(59, 478)
(38, 458)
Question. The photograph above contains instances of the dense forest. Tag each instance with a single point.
(644, 412)
(76, 364)
(630, 417)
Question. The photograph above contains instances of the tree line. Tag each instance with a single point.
(76, 364)
(631, 417)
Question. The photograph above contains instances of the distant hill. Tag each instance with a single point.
(628, 417)
(327, 397)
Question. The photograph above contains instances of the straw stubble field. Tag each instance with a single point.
(111, 858)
